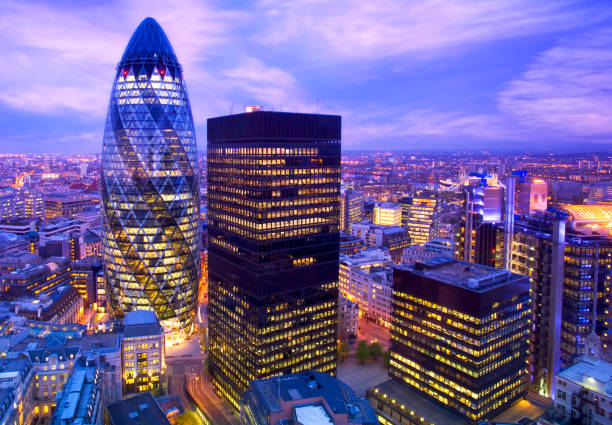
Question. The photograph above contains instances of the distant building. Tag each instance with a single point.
(84, 275)
(142, 352)
(418, 216)
(392, 238)
(531, 197)
(415, 253)
(62, 305)
(566, 192)
(348, 318)
(17, 260)
(387, 214)
(11, 243)
(90, 215)
(53, 363)
(306, 398)
(33, 204)
(101, 296)
(66, 204)
(351, 208)
(19, 226)
(366, 279)
(91, 245)
(80, 400)
(600, 192)
(11, 204)
(16, 390)
(444, 310)
(137, 410)
(60, 225)
(564, 268)
(593, 219)
(441, 246)
(584, 390)
(477, 237)
(35, 279)
(437, 247)
(350, 245)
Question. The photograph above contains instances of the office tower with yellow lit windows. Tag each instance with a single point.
(460, 335)
(351, 208)
(387, 214)
(273, 246)
(418, 214)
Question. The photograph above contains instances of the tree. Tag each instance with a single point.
(376, 350)
(343, 350)
(156, 392)
(362, 351)
(188, 418)
(207, 365)
(387, 358)
(203, 340)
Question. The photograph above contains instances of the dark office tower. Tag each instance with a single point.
(150, 185)
(273, 247)
(459, 334)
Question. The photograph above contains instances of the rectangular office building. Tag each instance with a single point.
(460, 334)
(273, 247)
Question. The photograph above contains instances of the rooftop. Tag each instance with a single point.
(461, 273)
(140, 317)
(416, 404)
(79, 391)
(312, 414)
(595, 375)
(141, 323)
(141, 409)
(310, 385)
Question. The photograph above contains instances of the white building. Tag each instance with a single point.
(348, 318)
(437, 247)
(392, 238)
(367, 280)
(584, 390)
(415, 253)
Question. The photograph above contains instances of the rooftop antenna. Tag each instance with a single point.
(232, 109)
(317, 105)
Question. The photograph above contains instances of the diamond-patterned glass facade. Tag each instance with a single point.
(150, 185)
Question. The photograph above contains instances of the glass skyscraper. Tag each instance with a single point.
(273, 246)
(150, 185)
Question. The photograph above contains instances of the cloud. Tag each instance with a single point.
(357, 29)
(267, 85)
(402, 129)
(63, 59)
(564, 96)
(567, 90)
(59, 57)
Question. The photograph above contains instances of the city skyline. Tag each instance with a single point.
(430, 76)
(323, 213)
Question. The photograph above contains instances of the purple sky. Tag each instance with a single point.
(409, 75)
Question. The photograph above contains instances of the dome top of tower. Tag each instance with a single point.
(149, 43)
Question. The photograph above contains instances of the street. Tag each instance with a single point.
(216, 410)
(371, 331)
(187, 379)
(176, 377)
